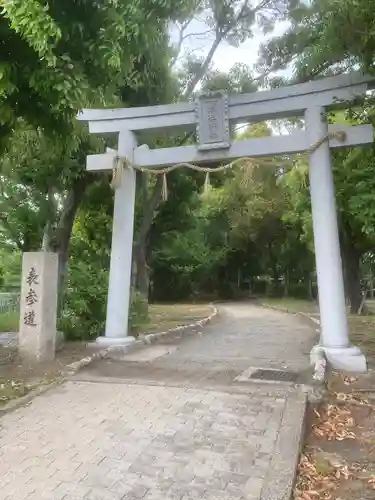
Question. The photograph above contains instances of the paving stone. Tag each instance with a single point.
(172, 427)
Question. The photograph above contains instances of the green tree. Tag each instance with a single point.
(328, 37)
(61, 56)
(230, 21)
(324, 37)
(51, 168)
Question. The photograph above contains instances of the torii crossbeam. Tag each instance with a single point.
(212, 116)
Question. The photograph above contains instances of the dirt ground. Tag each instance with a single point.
(18, 377)
(338, 459)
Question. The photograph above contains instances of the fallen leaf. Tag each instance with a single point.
(317, 413)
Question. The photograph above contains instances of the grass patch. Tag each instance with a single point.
(163, 317)
(9, 321)
(291, 305)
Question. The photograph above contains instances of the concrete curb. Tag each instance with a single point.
(281, 475)
(153, 337)
(73, 368)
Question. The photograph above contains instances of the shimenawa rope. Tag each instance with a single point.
(120, 162)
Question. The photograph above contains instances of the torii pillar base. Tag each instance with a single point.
(115, 341)
(346, 359)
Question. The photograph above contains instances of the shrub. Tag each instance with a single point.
(83, 313)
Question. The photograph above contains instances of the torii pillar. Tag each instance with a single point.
(333, 318)
(119, 287)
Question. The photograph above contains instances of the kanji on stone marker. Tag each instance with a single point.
(29, 318)
(31, 297)
(32, 277)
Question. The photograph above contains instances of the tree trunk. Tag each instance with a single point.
(48, 227)
(140, 277)
(352, 275)
(203, 69)
(273, 269)
(61, 237)
(309, 286)
(286, 283)
(142, 280)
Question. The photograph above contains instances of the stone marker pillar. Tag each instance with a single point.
(38, 304)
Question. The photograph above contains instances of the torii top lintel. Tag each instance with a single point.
(287, 101)
(212, 115)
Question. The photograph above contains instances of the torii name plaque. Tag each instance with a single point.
(212, 121)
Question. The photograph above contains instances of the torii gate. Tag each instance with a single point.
(212, 116)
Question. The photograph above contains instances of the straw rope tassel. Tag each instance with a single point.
(118, 165)
(164, 189)
(207, 184)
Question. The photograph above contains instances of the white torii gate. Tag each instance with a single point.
(212, 116)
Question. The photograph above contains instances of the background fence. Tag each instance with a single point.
(9, 302)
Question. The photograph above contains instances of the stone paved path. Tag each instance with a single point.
(169, 421)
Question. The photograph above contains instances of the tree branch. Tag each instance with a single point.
(180, 42)
(203, 69)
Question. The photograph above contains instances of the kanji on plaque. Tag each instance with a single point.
(32, 277)
(29, 318)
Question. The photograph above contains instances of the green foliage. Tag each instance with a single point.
(84, 306)
(186, 261)
(10, 269)
(39, 175)
(355, 169)
(84, 298)
(58, 58)
(324, 37)
(84, 301)
(221, 242)
(239, 80)
(31, 20)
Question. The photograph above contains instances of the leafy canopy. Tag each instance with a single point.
(61, 55)
(324, 37)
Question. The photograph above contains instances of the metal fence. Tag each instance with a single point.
(9, 302)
